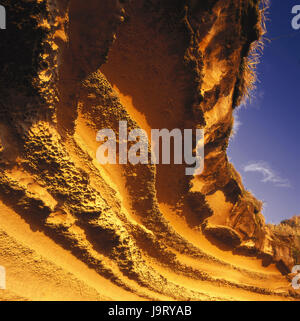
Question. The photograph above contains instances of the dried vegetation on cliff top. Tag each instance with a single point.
(72, 67)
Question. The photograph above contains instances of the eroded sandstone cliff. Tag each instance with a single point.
(72, 67)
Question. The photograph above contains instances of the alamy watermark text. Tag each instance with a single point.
(296, 18)
(2, 278)
(133, 148)
(2, 17)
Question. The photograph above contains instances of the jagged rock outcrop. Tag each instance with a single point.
(72, 67)
(286, 242)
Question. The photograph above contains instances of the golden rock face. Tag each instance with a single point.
(72, 229)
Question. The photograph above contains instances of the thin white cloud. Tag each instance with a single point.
(236, 125)
(268, 174)
(256, 99)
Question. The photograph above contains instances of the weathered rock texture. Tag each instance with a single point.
(72, 67)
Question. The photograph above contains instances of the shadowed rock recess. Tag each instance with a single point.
(72, 229)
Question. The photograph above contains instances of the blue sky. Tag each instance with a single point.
(266, 147)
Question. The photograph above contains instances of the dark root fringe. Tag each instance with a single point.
(251, 62)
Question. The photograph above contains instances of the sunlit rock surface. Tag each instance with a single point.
(72, 229)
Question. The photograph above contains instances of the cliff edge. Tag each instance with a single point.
(71, 228)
